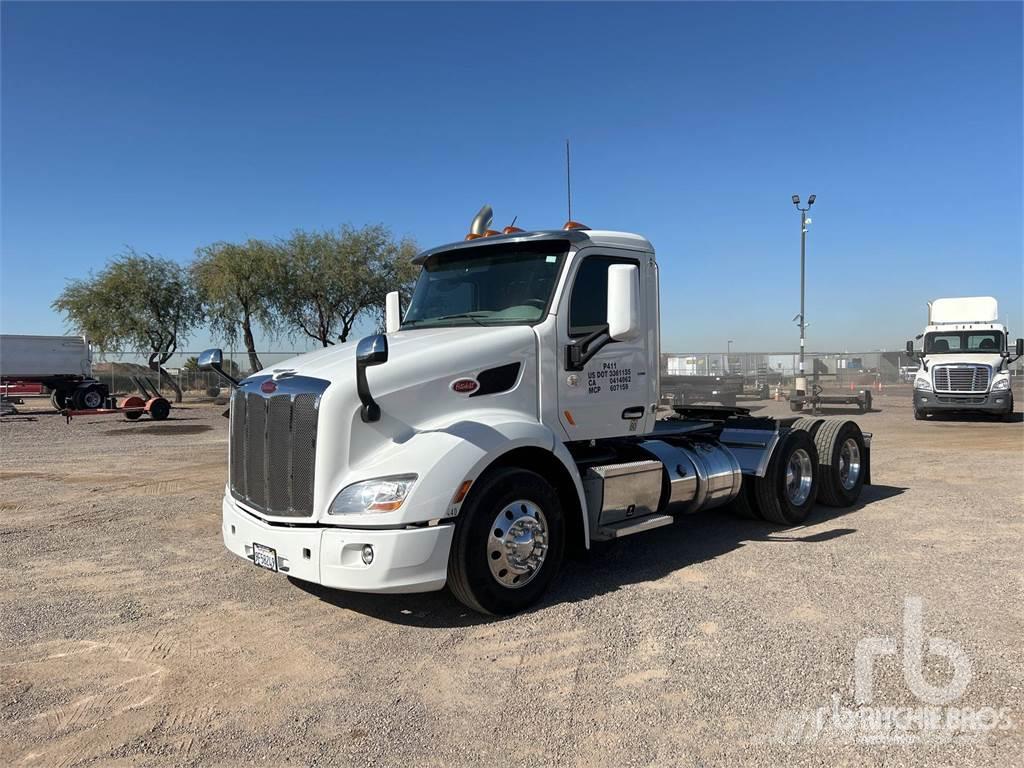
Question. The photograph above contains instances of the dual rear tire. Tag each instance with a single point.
(787, 492)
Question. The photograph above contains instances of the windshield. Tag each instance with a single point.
(489, 285)
(984, 342)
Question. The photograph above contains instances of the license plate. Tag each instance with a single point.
(264, 557)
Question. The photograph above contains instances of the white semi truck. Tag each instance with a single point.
(964, 359)
(506, 420)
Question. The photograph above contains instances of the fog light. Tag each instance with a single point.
(367, 554)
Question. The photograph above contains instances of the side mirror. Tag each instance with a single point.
(392, 312)
(373, 350)
(910, 348)
(1019, 351)
(213, 360)
(623, 302)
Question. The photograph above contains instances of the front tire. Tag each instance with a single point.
(509, 542)
(919, 415)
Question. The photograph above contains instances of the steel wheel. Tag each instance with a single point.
(799, 477)
(518, 544)
(849, 464)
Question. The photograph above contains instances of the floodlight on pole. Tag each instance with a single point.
(796, 199)
(801, 381)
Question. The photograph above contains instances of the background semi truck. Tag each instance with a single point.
(63, 364)
(507, 419)
(964, 359)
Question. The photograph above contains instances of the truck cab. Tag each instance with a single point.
(506, 419)
(964, 360)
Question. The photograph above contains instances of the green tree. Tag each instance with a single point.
(235, 284)
(326, 281)
(191, 364)
(138, 302)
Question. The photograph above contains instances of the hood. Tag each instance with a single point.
(970, 358)
(414, 389)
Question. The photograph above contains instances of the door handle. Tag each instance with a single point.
(635, 412)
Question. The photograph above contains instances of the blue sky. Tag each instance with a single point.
(170, 126)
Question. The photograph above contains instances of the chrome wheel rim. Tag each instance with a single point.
(799, 477)
(849, 463)
(517, 544)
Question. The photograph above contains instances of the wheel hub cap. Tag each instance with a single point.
(849, 463)
(518, 544)
(799, 477)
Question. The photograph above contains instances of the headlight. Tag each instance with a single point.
(385, 494)
(923, 384)
(1003, 383)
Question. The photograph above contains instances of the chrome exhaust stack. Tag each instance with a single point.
(482, 221)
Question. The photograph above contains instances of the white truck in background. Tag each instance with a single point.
(63, 364)
(507, 419)
(964, 360)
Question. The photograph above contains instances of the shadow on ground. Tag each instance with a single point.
(690, 540)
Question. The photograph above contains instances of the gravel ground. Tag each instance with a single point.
(131, 637)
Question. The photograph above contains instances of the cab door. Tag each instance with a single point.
(613, 394)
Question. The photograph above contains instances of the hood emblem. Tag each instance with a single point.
(269, 386)
(465, 386)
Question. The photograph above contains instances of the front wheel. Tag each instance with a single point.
(919, 415)
(509, 542)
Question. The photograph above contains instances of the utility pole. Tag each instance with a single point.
(801, 378)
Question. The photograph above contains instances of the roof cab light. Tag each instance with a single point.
(385, 494)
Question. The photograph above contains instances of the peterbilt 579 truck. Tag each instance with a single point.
(506, 420)
(964, 359)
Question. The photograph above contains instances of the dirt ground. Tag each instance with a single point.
(130, 636)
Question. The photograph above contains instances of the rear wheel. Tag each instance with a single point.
(159, 409)
(787, 492)
(843, 462)
(88, 398)
(59, 399)
(509, 542)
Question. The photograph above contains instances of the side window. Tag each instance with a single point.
(588, 305)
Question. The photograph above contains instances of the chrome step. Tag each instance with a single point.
(630, 526)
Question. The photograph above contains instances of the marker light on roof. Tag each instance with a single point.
(574, 225)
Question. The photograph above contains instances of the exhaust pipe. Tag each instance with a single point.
(482, 221)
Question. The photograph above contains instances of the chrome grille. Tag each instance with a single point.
(960, 378)
(272, 449)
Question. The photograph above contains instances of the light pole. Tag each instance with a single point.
(801, 380)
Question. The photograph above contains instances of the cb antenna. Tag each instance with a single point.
(568, 179)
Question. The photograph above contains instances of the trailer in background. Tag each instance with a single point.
(62, 364)
(860, 399)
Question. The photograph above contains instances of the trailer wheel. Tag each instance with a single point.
(88, 398)
(842, 454)
(796, 407)
(787, 492)
(509, 542)
(59, 399)
(159, 409)
(134, 402)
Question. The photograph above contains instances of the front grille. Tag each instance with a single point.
(960, 378)
(272, 446)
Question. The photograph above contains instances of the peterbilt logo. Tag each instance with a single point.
(465, 386)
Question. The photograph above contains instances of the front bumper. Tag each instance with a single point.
(405, 560)
(992, 402)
